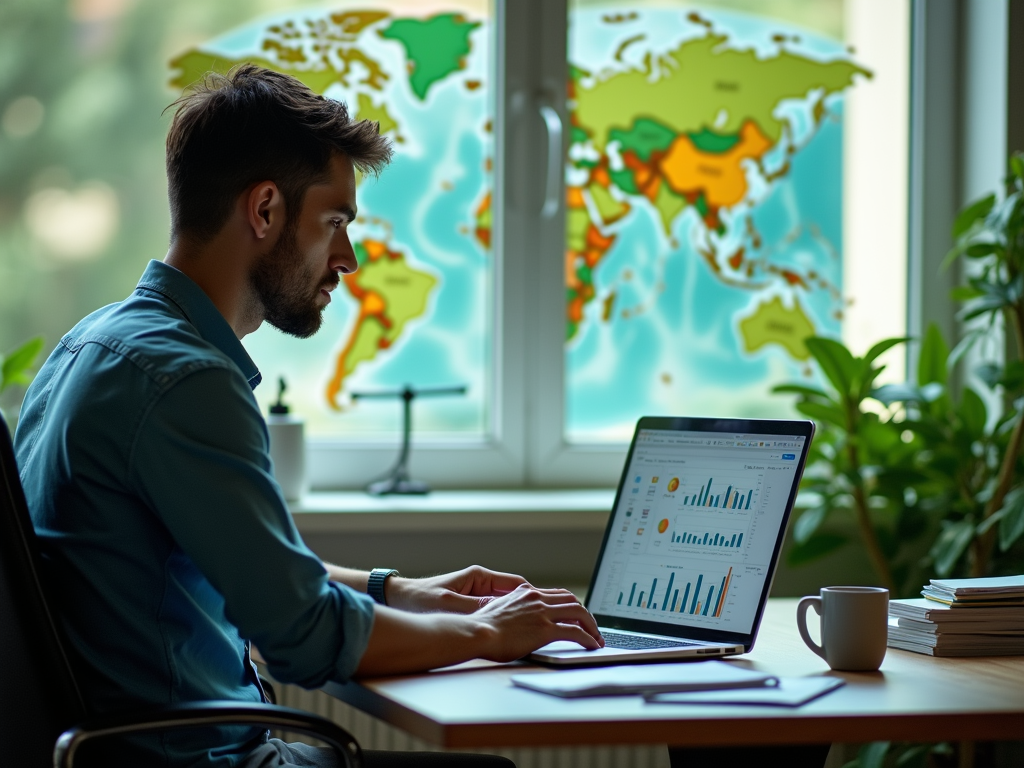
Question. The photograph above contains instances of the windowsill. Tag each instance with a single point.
(514, 510)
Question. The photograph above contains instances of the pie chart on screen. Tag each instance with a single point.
(673, 484)
(663, 526)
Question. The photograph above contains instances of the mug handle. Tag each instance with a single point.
(801, 622)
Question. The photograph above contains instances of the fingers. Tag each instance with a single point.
(580, 616)
(456, 603)
(577, 635)
(487, 582)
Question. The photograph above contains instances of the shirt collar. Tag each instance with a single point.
(201, 312)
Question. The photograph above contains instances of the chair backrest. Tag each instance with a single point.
(39, 697)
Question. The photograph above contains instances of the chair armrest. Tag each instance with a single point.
(206, 714)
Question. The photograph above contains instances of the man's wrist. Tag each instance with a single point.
(377, 581)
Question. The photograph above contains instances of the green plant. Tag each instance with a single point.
(934, 482)
(884, 754)
(990, 234)
(16, 365)
(860, 464)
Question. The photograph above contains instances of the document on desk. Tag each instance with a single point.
(790, 692)
(644, 678)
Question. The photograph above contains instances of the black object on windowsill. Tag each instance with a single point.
(397, 479)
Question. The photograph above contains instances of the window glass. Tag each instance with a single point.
(83, 202)
(709, 201)
(418, 310)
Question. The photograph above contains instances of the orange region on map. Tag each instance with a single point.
(482, 230)
(719, 176)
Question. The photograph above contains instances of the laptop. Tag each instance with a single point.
(693, 540)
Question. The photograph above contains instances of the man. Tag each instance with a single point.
(167, 545)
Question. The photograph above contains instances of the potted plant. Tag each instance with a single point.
(932, 480)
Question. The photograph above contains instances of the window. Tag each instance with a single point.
(596, 211)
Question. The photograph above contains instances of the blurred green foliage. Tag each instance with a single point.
(83, 86)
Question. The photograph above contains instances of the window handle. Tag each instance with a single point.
(553, 123)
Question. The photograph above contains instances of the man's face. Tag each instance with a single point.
(293, 280)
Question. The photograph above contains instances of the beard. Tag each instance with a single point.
(288, 288)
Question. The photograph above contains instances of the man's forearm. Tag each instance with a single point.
(411, 642)
(350, 577)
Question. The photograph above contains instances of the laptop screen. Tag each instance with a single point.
(698, 524)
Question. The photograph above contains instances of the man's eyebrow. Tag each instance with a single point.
(347, 211)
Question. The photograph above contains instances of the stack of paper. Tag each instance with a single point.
(961, 617)
(706, 682)
(646, 678)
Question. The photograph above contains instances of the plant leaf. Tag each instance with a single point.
(967, 218)
(799, 389)
(962, 347)
(899, 393)
(990, 373)
(951, 544)
(931, 365)
(973, 413)
(835, 360)
(808, 523)
(873, 755)
(1011, 523)
(882, 347)
(822, 412)
(17, 362)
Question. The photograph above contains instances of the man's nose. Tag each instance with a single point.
(344, 258)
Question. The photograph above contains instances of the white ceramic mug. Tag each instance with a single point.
(854, 626)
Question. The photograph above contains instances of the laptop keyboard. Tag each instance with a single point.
(638, 643)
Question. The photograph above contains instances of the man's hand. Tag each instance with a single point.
(505, 628)
(528, 618)
(462, 591)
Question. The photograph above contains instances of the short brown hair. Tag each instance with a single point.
(253, 124)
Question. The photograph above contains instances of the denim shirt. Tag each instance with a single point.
(167, 545)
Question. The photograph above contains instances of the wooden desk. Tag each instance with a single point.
(913, 697)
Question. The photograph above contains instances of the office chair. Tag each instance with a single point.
(43, 716)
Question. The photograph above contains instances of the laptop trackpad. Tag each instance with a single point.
(562, 647)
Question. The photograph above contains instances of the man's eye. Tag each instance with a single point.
(336, 223)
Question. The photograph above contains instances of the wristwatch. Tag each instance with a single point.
(375, 585)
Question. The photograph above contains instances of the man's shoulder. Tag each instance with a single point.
(149, 333)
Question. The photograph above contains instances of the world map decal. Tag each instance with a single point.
(703, 207)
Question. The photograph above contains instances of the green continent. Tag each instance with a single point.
(608, 208)
(669, 205)
(644, 137)
(773, 323)
(404, 291)
(435, 47)
(624, 180)
(378, 114)
(577, 222)
(700, 80)
(192, 65)
(361, 255)
(714, 143)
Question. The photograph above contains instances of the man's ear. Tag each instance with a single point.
(264, 208)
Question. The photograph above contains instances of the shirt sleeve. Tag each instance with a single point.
(200, 461)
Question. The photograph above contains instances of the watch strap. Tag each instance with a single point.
(375, 584)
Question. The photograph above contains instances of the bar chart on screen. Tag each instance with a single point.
(664, 591)
(683, 534)
(729, 492)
